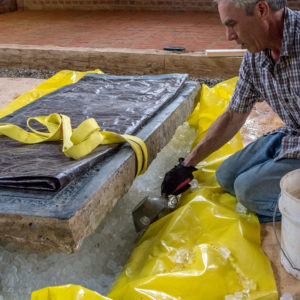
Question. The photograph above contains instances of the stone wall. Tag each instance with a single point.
(7, 6)
(165, 5)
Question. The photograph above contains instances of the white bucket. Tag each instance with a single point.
(289, 206)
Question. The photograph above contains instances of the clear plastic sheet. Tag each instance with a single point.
(205, 249)
(121, 104)
(57, 81)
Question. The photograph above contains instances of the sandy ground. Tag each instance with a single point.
(11, 88)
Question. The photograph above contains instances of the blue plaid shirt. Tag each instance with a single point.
(278, 84)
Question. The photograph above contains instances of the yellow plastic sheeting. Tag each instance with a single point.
(205, 249)
(57, 81)
(66, 292)
(213, 102)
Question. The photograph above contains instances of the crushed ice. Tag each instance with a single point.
(103, 254)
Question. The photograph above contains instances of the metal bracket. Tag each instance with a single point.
(151, 209)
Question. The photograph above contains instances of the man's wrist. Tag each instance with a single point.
(188, 161)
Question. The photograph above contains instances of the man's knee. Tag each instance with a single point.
(225, 179)
(255, 194)
(244, 189)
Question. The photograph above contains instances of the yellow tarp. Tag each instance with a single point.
(66, 292)
(204, 249)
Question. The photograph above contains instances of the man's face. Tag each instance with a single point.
(245, 30)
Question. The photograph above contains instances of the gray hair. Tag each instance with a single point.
(248, 5)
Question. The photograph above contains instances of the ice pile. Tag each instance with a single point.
(103, 254)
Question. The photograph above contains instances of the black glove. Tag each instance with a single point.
(177, 180)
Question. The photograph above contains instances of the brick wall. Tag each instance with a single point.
(160, 5)
(7, 6)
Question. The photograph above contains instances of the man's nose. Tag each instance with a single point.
(231, 34)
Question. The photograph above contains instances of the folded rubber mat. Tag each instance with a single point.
(121, 104)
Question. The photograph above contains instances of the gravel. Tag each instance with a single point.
(26, 73)
(208, 81)
(45, 74)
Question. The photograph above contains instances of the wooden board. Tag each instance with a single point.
(225, 52)
(118, 61)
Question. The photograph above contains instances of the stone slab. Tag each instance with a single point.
(60, 221)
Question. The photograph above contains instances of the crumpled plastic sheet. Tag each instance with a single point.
(67, 292)
(206, 248)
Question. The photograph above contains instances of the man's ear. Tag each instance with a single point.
(262, 10)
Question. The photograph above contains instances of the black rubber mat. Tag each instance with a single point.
(118, 103)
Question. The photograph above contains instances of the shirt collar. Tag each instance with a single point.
(288, 31)
(289, 24)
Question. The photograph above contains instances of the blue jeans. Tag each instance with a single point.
(253, 176)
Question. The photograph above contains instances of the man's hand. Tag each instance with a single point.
(177, 180)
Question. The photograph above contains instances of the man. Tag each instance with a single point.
(270, 71)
